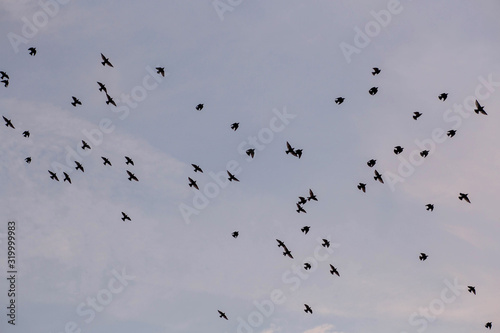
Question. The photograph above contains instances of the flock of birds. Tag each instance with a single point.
(250, 152)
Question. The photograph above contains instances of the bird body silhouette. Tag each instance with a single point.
(105, 61)
(464, 196)
(53, 175)
(376, 71)
(232, 177)
(192, 183)
(197, 168)
(75, 101)
(222, 314)
(480, 109)
(32, 51)
(251, 152)
(308, 309)
(125, 217)
(339, 100)
(131, 176)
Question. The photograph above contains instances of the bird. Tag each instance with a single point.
(424, 153)
(128, 160)
(4, 75)
(53, 175)
(311, 196)
(333, 270)
(416, 115)
(102, 87)
(472, 289)
(287, 253)
(222, 315)
(298, 153)
(79, 166)
(8, 122)
(305, 229)
(326, 243)
(378, 177)
(464, 196)
(308, 309)
(398, 150)
(66, 178)
(234, 126)
(362, 187)
(371, 163)
(307, 266)
(131, 176)
(232, 177)
(85, 145)
(199, 107)
(423, 256)
(451, 133)
(488, 325)
(26, 134)
(192, 183)
(300, 209)
(110, 100)
(28, 160)
(375, 71)
(429, 207)
(302, 200)
(160, 70)
(106, 161)
(443, 97)
(125, 217)
(290, 149)
(373, 90)
(251, 152)
(235, 234)
(32, 51)
(281, 244)
(75, 101)
(197, 168)
(479, 108)
(105, 61)
(339, 100)
(5, 83)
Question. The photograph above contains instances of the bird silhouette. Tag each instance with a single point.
(281, 244)
(488, 325)
(199, 107)
(326, 243)
(430, 207)
(424, 153)
(289, 149)
(75, 101)
(416, 115)
(443, 97)
(472, 289)
(232, 177)
(371, 163)
(376, 71)
(480, 109)
(398, 150)
(287, 253)
(251, 152)
(28, 160)
(308, 309)
(311, 196)
(192, 183)
(106, 161)
(307, 266)
(53, 175)
(305, 229)
(222, 314)
(110, 100)
(5, 83)
(102, 87)
(339, 100)
(8, 122)
(197, 168)
(333, 270)
(423, 256)
(300, 209)
(4, 75)
(79, 166)
(32, 51)
(26, 134)
(373, 90)
(85, 145)
(128, 160)
(131, 176)
(235, 234)
(125, 217)
(302, 201)
(160, 70)
(362, 187)
(66, 178)
(298, 153)
(234, 126)
(378, 177)
(105, 61)
(451, 133)
(464, 196)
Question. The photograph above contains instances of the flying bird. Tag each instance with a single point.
(416, 115)
(235, 234)
(131, 176)
(110, 100)
(53, 175)
(300, 209)
(423, 256)
(339, 100)
(375, 71)
(160, 70)
(197, 168)
(429, 207)
(106, 161)
(371, 163)
(232, 177)
(222, 314)
(424, 153)
(125, 217)
(305, 229)
(66, 178)
(281, 244)
(251, 152)
(307, 266)
(298, 153)
(192, 183)
(290, 149)
(75, 101)
(85, 145)
(308, 309)
(443, 97)
(362, 187)
(199, 107)
(373, 90)
(326, 243)
(464, 196)
(79, 166)
(480, 108)
(398, 150)
(488, 325)
(26, 134)
(333, 270)
(32, 51)
(234, 126)
(378, 177)
(302, 201)
(128, 160)
(102, 87)
(105, 61)
(4, 75)
(451, 133)
(311, 196)
(472, 289)
(28, 160)
(5, 83)
(8, 122)
(287, 253)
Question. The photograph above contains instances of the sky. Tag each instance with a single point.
(276, 68)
